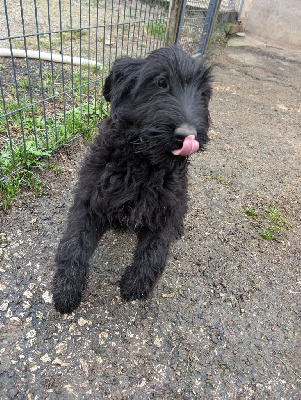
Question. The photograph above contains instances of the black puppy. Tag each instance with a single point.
(134, 176)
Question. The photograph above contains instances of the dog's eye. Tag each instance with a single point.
(162, 83)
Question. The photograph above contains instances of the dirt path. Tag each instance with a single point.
(223, 321)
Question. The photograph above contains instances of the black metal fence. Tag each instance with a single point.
(54, 56)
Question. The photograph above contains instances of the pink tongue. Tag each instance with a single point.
(190, 146)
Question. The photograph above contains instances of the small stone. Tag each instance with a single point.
(39, 315)
(142, 383)
(31, 334)
(45, 358)
(47, 297)
(4, 306)
(28, 294)
(15, 321)
(61, 348)
(58, 361)
(158, 342)
(214, 339)
(82, 321)
(167, 295)
(26, 305)
(102, 337)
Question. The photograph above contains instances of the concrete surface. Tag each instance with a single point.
(251, 40)
(275, 21)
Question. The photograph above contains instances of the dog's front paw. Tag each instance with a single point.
(134, 288)
(66, 293)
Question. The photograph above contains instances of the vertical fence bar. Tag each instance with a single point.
(123, 28)
(89, 52)
(129, 28)
(142, 40)
(63, 77)
(52, 72)
(117, 28)
(111, 32)
(139, 28)
(16, 85)
(103, 51)
(72, 69)
(80, 61)
(241, 4)
(41, 74)
(96, 56)
(166, 15)
(147, 46)
(134, 29)
(28, 75)
(180, 23)
(209, 24)
(159, 17)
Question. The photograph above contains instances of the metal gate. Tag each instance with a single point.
(198, 20)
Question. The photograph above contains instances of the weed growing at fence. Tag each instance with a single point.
(37, 145)
(157, 29)
(221, 32)
(76, 33)
(11, 187)
(31, 130)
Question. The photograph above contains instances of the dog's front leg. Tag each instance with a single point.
(149, 262)
(83, 232)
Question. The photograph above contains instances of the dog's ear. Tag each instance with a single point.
(206, 79)
(122, 77)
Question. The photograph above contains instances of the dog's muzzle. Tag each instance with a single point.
(185, 135)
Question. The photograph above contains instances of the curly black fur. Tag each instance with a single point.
(131, 179)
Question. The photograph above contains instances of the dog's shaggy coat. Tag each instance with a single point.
(134, 176)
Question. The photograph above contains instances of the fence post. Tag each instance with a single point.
(209, 25)
(175, 20)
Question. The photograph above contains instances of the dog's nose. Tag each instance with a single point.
(185, 130)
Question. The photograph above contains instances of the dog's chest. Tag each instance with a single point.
(136, 197)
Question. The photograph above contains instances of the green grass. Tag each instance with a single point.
(276, 222)
(269, 222)
(12, 106)
(250, 212)
(267, 233)
(157, 29)
(23, 82)
(37, 145)
(54, 168)
(221, 32)
(76, 33)
(13, 186)
(42, 132)
(218, 178)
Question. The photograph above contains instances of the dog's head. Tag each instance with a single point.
(164, 98)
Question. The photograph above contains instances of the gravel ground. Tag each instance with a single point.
(223, 320)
